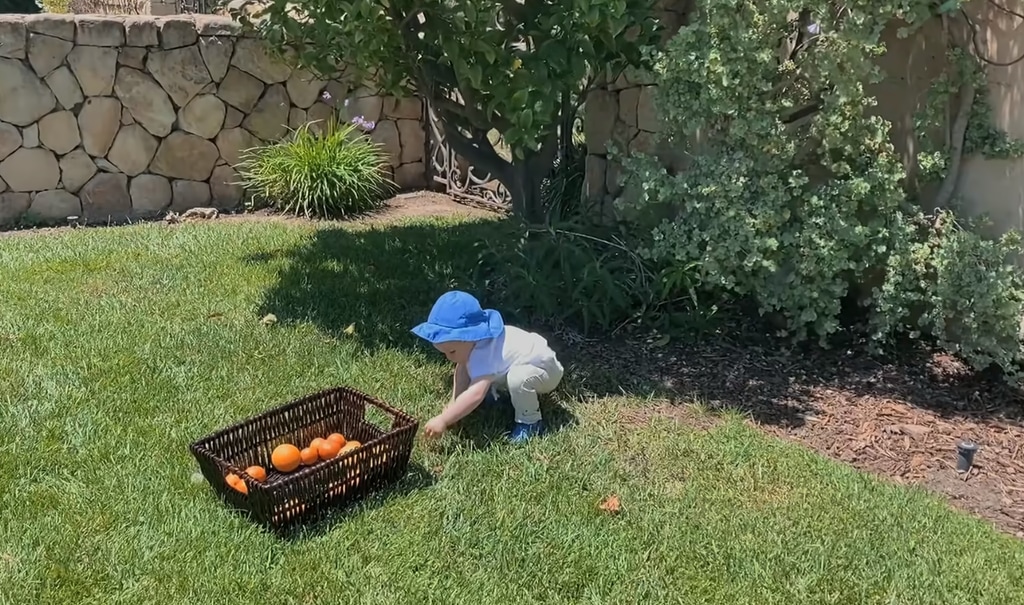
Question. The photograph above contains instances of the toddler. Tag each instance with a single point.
(488, 355)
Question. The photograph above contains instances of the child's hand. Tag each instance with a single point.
(435, 427)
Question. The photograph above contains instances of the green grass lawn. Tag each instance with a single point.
(118, 347)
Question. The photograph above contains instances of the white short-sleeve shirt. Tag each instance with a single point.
(514, 346)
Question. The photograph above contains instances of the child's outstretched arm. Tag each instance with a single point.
(460, 381)
(464, 403)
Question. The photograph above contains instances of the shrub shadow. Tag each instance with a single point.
(375, 283)
(775, 384)
(382, 280)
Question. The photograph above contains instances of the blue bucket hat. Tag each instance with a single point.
(458, 316)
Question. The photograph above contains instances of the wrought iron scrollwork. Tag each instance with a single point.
(197, 7)
(460, 179)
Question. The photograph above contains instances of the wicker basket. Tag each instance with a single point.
(285, 498)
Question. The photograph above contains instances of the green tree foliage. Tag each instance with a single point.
(23, 7)
(505, 66)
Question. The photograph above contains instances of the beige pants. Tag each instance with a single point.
(525, 382)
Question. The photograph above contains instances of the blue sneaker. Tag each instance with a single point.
(524, 432)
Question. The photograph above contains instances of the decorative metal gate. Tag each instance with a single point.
(457, 176)
(198, 7)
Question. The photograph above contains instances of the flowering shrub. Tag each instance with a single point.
(360, 121)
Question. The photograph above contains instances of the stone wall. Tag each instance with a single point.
(622, 114)
(112, 118)
(619, 116)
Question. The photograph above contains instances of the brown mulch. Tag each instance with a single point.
(897, 419)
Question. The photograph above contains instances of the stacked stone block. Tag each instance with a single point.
(109, 118)
(621, 114)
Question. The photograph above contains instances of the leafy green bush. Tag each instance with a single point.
(795, 196)
(583, 274)
(961, 288)
(579, 270)
(786, 211)
(338, 173)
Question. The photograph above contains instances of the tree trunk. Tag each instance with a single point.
(522, 177)
(523, 185)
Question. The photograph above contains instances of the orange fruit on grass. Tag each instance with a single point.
(310, 456)
(257, 472)
(235, 482)
(286, 458)
(328, 449)
(337, 438)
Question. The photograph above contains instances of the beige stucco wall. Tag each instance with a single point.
(623, 113)
(993, 186)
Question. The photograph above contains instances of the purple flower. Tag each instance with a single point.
(813, 29)
(363, 123)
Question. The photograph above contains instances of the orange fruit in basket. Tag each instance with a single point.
(328, 449)
(310, 456)
(315, 444)
(235, 482)
(286, 458)
(337, 438)
(257, 472)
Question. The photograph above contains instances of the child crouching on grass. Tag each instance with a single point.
(489, 354)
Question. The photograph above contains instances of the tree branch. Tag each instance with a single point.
(795, 42)
(477, 152)
(802, 23)
(977, 47)
(802, 112)
(1006, 9)
(960, 123)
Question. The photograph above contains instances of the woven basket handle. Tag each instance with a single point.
(380, 417)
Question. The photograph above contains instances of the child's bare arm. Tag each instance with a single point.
(460, 381)
(462, 405)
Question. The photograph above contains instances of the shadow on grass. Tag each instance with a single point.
(383, 280)
(487, 426)
(416, 478)
(377, 282)
(374, 284)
